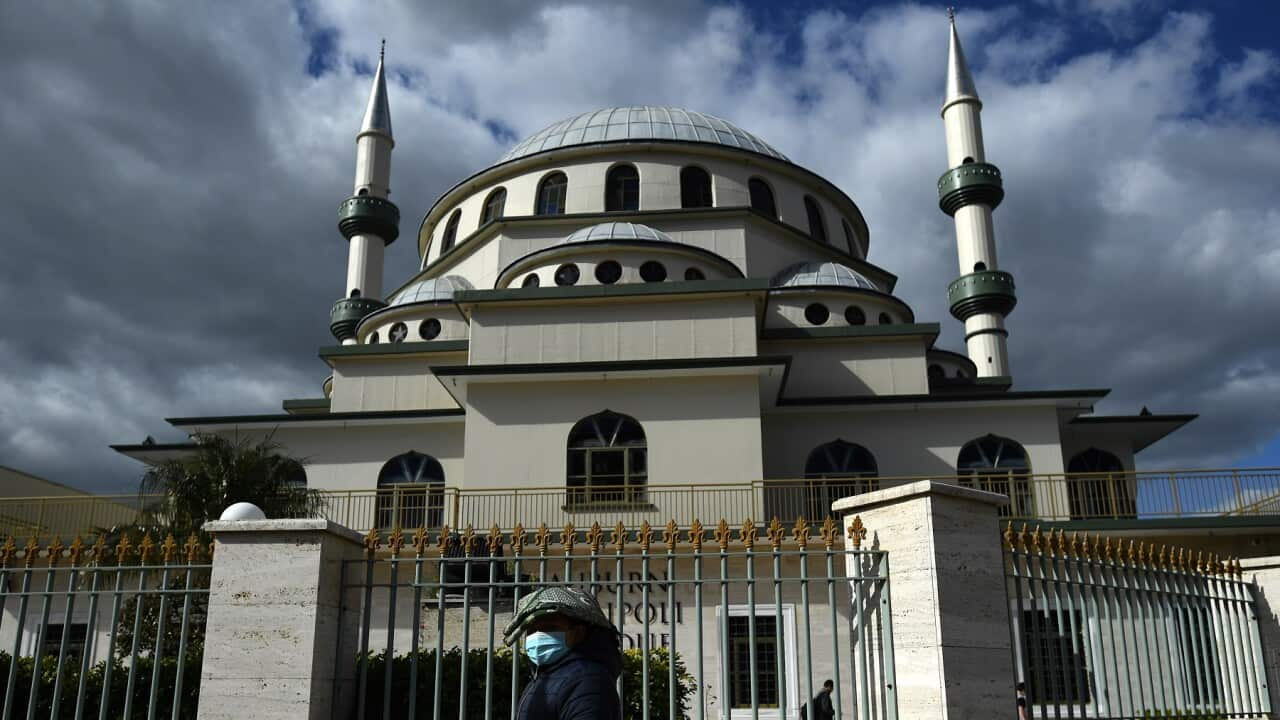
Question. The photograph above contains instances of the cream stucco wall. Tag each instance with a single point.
(852, 366)
(349, 458)
(391, 383)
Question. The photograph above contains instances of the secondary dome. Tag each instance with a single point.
(616, 231)
(810, 274)
(431, 289)
(640, 122)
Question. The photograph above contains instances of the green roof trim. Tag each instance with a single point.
(384, 349)
(285, 418)
(1106, 419)
(306, 405)
(682, 287)
(1091, 394)
(144, 447)
(929, 330)
(610, 366)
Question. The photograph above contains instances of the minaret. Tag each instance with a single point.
(367, 219)
(983, 294)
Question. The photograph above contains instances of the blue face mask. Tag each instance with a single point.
(545, 648)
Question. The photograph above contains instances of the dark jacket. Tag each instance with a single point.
(822, 707)
(582, 686)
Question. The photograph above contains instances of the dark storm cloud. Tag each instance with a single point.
(171, 175)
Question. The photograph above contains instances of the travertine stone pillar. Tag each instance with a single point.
(273, 630)
(950, 616)
(1265, 571)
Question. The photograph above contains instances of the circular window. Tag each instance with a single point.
(608, 272)
(653, 271)
(398, 333)
(430, 329)
(567, 274)
(854, 315)
(373, 339)
(694, 274)
(531, 280)
(885, 319)
(816, 314)
(937, 373)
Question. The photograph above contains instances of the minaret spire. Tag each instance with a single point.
(368, 219)
(983, 294)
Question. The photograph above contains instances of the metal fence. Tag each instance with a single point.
(730, 626)
(1104, 629)
(105, 631)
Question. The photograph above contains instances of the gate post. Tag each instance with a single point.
(1265, 574)
(950, 613)
(273, 627)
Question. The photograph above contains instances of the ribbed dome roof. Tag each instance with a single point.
(431, 289)
(640, 122)
(616, 231)
(808, 274)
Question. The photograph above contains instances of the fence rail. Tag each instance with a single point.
(735, 625)
(1104, 629)
(1142, 495)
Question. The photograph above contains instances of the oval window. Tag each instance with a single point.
(567, 274)
(653, 271)
(398, 333)
(608, 272)
(531, 280)
(816, 314)
(854, 315)
(694, 274)
(429, 329)
(885, 319)
(373, 339)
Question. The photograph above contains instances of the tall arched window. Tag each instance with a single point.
(552, 192)
(1098, 486)
(835, 470)
(817, 228)
(695, 187)
(848, 236)
(410, 492)
(450, 232)
(762, 198)
(608, 460)
(622, 188)
(494, 205)
(998, 465)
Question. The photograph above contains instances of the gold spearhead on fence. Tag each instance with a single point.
(518, 536)
(146, 547)
(1133, 553)
(645, 536)
(1037, 541)
(1008, 536)
(542, 538)
(747, 535)
(1024, 538)
(1075, 544)
(595, 536)
(829, 532)
(1163, 559)
(55, 551)
(123, 548)
(495, 539)
(1200, 562)
(396, 542)
(469, 540)
(372, 541)
(776, 532)
(857, 532)
(7, 551)
(99, 550)
(445, 540)
(671, 535)
(1107, 552)
(800, 533)
(1087, 547)
(191, 549)
(567, 537)
(31, 551)
(722, 535)
(76, 551)
(697, 534)
(618, 538)
(421, 538)
(169, 548)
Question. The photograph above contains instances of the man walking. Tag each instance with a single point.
(820, 707)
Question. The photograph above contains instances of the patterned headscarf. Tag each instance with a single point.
(562, 599)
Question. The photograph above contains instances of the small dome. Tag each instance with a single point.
(640, 123)
(431, 289)
(616, 231)
(810, 274)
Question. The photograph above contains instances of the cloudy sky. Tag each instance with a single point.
(171, 173)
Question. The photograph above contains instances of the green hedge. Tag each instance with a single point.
(501, 697)
(93, 686)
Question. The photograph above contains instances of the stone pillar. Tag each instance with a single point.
(1265, 571)
(272, 639)
(946, 581)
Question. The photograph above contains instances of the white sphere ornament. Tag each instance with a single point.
(243, 511)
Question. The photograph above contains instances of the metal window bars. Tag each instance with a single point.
(1105, 629)
(132, 610)
(428, 606)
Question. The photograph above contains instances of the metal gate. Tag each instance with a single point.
(1104, 628)
(715, 622)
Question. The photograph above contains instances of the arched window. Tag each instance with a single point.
(622, 189)
(848, 236)
(817, 228)
(450, 232)
(998, 465)
(1099, 487)
(695, 188)
(410, 492)
(836, 470)
(608, 461)
(552, 192)
(762, 198)
(494, 205)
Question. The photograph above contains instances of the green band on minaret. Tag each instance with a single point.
(368, 215)
(970, 184)
(988, 291)
(347, 314)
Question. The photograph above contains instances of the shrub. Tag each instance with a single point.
(93, 686)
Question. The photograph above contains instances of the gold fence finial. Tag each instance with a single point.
(421, 539)
(747, 535)
(99, 550)
(1133, 552)
(1008, 536)
(857, 532)
(775, 533)
(445, 539)
(396, 542)
(542, 538)
(1087, 547)
(1181, 562)
(469, 540)
(372, 541)
(1037, 541)
(800, 533)
(146, 547)
(494, 540)
(169, 548)
(30, 551)
(7, 551)
(595, 536)
(76, 550)
(671, 535)
(722, 535)
(1075, 544)
(1200, 561)
(1151, 554)
(518, 536)
(1023, 538)
(191, 549)
(568, 536)
(55, 551)
(123, 548)
(829, 532)
(697, 534)
(618, 538)
(1107, 551)
(645, 536)
(1163, 559)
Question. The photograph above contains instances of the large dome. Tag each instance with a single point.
(640, 122)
